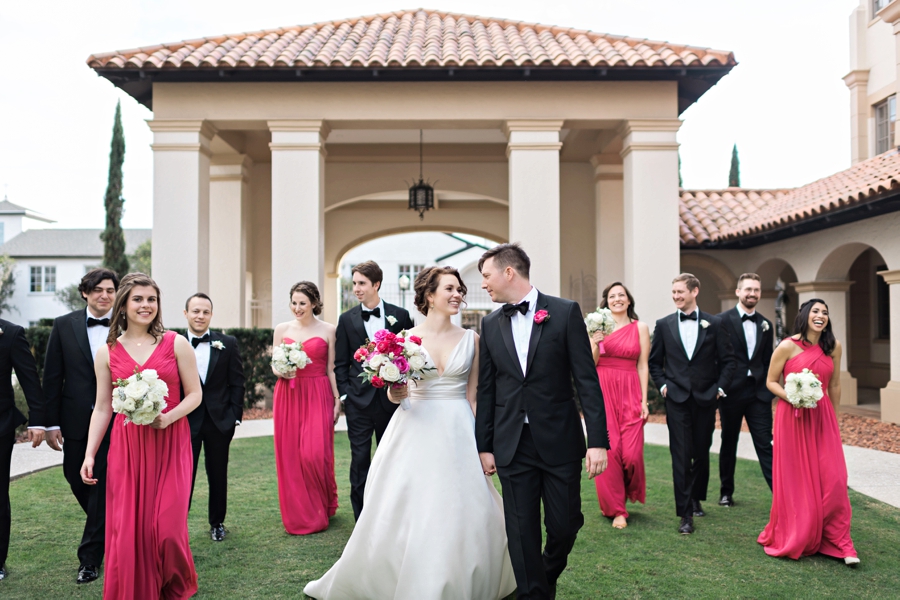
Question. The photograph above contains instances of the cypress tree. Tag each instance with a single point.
(734, 176)
(113, 236)
(680, 181)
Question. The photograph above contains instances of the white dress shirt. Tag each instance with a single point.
(374, 323)
(521, 329)
(689, 331)
(749, 332)
(202, 353)
(98, 333)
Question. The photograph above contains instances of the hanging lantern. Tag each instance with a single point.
(421, 194)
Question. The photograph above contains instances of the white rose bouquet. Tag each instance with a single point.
(288, 358)
(392, 360)
(141, 397)
(600, 320)
(803, 389)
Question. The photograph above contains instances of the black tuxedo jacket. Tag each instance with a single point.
(758, 364)
(350, 335)
(15, 353)
(559, 353)
(710, 368)
(70, 384)
(223, 391)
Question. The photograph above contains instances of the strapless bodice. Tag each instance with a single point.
(451, 384)
(317, 350)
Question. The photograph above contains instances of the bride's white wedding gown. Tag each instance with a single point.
(432, 524)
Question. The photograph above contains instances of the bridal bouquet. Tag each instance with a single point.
(288, 358)
(803, 389)
(600, 320)
(141, 397)
(393, 360)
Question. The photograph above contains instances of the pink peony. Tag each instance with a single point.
(399, 340)
(384, 347)
(401, 364)
(361, 354)
(381, 334)
(541, 316)
(415, 339)
(377, 381)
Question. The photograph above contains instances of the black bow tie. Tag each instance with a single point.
(196, 341)
(749, 318)
(510, 309)
(93, 322)
(375, 312)
(690, 317)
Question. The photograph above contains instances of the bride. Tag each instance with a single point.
(432, 527)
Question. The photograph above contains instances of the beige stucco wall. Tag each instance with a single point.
(578, 265)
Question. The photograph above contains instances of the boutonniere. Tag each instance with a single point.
(765, 325)
(704, 323)
(391, 319)
(541, 316)
(218, 345)
(1, 331)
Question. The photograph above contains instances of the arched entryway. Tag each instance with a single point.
(717, 282)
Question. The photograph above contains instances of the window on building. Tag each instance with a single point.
(883, 297)
(2, 233)
(43, 279)
(885, 117)
(410, 271)
(878, 5)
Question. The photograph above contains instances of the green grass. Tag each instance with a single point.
(646, 560)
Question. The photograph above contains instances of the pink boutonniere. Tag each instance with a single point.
(541, 316)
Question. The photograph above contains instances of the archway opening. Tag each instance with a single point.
(717, 282)
(780, 301)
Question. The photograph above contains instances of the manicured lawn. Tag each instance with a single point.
(646, 560)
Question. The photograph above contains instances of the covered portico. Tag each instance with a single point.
(277, 151)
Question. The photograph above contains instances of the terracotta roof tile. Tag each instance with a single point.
(723, 215)
(413, 38)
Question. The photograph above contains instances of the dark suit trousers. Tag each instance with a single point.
(92, 498)
(6, 447)
(215, 456)
(361, 424)
(691, 429)
(742, 403)
(527, 481)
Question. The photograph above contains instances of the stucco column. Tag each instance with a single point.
(298, 209)
(229, 190)
(650, 191)
(836, 296)
(610, 220)
(858, 82)
(180, 255)
(533, 152)
(890, 394)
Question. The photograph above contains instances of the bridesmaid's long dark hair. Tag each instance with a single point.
(604, 301)
(827, 340)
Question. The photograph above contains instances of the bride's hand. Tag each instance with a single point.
(397, 394)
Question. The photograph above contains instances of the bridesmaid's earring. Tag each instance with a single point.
(431, 305)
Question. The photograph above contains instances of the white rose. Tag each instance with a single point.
(137, 389)
(416, 362)
(411, 348)
(150, 376)
(296, 356)
(278, 354)
(376, 361)
(389, 372)
(129, 404)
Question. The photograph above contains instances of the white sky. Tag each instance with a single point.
(785, 104)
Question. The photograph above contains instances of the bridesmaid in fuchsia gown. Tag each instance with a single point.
(810, 507)
(305, 408)
(623, 372)
(149, 487)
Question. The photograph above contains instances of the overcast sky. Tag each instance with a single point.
(784, 105)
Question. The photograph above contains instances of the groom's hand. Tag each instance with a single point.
(487, 463)
(595, 461)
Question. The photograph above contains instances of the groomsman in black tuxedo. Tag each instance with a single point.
(367, 409)
(15, 355)
(71, 389)
(748, 397)
(222, 408)
(692, 363)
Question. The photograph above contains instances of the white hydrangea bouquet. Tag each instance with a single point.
(288, 358)
(141, 397)
(600, 320)
(392, 360)
(803, 389)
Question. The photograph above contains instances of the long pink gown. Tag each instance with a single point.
(303, 411)
(810, 506)
(624, 478)
(147, 494)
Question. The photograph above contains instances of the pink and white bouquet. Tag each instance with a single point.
(803, 389)
(141, 397)
(393, 360)
(287, 359)
(600, 320)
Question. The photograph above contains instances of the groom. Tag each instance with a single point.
(527, 425)
(367, 409)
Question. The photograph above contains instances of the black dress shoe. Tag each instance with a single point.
(698, 510)
(687, 526)
(217, 532)
(726, 500)
(2, 572)
(87, 573)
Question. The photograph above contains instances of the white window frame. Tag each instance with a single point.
(46, 279)
(885, 124)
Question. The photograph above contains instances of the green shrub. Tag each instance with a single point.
(22, 405)
(37, 338)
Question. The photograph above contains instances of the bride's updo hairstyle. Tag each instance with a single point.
(309, 289)
(427, 282)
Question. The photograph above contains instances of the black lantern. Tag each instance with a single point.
(421, 194)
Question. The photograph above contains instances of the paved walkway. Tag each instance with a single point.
(871, 472)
